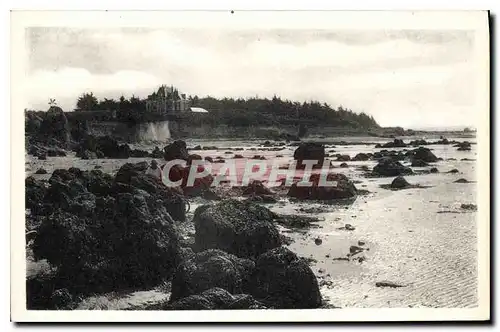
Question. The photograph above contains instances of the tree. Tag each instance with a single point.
(87, 102)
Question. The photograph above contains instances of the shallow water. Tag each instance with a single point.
(434, 255)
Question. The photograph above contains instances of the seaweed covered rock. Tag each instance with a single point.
(283, 280)
(240, 228)
(54, 128)
(340, 188)
(389, 167)
(309, 151)
(418, 163)
(361, 157)
(215, 299)
(424, 154)
(133, 175)
(399, 183)
(176, 150)
(208, 269)
(126, 242)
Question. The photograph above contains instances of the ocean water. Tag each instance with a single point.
(420, 238)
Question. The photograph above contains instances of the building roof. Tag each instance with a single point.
(198, 110)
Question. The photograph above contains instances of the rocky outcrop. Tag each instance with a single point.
(361, 157)
(309, 151)
(283, 280)
(176, 150)
(397, 143)
(399, 183)
(54, 128)
(209, 269)
(424, 154)
(215, 299)
(240, 228)
(463, 146)
(342, 188)
(389, 167)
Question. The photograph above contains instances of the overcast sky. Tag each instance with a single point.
(408, 78)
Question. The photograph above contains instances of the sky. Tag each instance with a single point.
(408, 78)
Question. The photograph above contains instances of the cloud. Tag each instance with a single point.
(392, 75)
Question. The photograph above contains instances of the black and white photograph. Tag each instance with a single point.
(250, 166)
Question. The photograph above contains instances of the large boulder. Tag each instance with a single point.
(55, 127)
(389, 167)
(397, 143)
(240, 228)
(127, 241)
(342, 188)
(361, 157)
(134, 176)
(309, 151)
(215, 299)
(399, 183)
(209, 269)
(283, 280)
(176, 150)
(424, 154)
(34, 193)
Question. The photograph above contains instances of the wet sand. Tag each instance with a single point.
(433, 255)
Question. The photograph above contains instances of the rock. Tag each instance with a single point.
(349, 227)
(34, 193)
(344, 188)
(215, 299)
(171, 198)
(198, 147)
(55, 126)
(389, 167)
(56, 152)
(361, 243)
(283, 280)
(343, 157)
(42, 156)
(309, 151)
(397, 143)
(418, 142)
(472, 207)
(257, 188)
(418, 163)
(463, 146)
(461, 180)
(388, 284)
(344, 165)
(41, 171)
(318, 241)
(399, 183)
(157, 153)
(424, 154)
(139, 153)
(434, 170)
(209, 159)
(208, 269)
(61, 298)
(361, 157)
(126, 242)
(176, 150)
(453, 171)
(240, 228)
(238, 156)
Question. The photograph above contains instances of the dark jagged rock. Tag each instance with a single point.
(309, 151)
(126, 242)
(434, 170)
(176, 150)
(343, 188)
(463, 146)
(208, 269)
(344, 165)
(418, 142)
(240, 228)
(34, 193)
(157, 153)
(399, 183)
(136, 153)
(56, 152)
(257, 188)
(418, 163)
(41, 171)
(397, 143)
(171, 197)
(389, 167)
(91, 147)
(424, 154)
(361, 157)
(343, 157)
(54, 126)
(283, 280)
(215, 299)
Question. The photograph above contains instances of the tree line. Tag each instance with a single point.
(239, 112)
